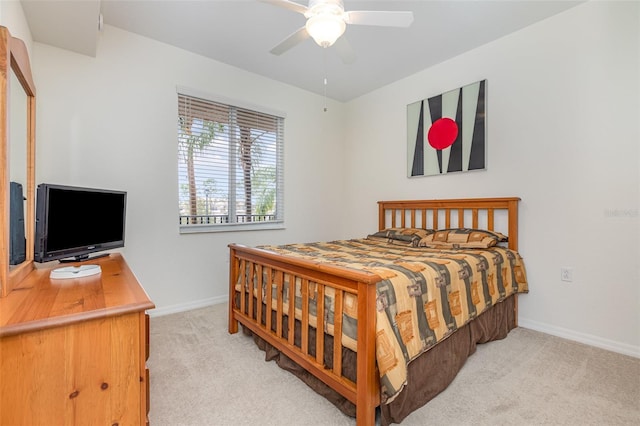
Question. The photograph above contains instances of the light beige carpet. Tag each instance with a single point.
(201, 375)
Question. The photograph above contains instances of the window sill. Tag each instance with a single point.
(230, 227)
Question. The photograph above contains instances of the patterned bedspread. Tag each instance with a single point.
(424, 296)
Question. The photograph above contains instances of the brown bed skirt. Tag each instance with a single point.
(429, 374)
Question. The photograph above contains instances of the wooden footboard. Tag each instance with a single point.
(248, 269)
(252, 300)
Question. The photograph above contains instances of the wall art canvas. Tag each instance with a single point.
(446, 133)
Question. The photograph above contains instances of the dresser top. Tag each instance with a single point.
(40, 302)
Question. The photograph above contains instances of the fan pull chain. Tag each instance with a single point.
(324, 66)
(325, 94)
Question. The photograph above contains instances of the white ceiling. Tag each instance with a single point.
(241, 33)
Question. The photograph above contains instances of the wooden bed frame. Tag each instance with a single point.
(247, 265)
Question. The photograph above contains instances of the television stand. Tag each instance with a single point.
(82, 258)
(68, 272)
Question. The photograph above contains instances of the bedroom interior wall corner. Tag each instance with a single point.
(109, 121)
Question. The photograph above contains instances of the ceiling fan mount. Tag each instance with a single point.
(327, 21)
(317, 7)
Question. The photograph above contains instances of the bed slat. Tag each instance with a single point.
(243, 286)
(250, 287)
(320, 324)
(337, 331)
(280, 302)
(269, 296)
(259, 294)
(291, 298)
(304, 291)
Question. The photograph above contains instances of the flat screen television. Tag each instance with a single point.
(73, 222)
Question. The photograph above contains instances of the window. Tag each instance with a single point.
(230, 166)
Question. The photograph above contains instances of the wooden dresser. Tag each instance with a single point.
(74, 351)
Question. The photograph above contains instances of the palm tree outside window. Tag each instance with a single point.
(230, 166)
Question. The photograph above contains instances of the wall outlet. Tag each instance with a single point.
(566, 274)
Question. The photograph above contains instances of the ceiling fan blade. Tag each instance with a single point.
(286, 4)
(380, 18)
(344, 50)
(294, 39)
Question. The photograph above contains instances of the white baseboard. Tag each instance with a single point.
(587, 339)
(181, 307)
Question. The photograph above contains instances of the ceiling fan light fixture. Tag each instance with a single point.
(325, 29)
(327, 21)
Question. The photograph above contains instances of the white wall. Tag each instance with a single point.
(563, 134)
(12, 17)
(110, 122)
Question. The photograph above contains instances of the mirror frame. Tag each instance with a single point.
(15, 56)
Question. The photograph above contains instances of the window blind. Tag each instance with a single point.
(230, 162)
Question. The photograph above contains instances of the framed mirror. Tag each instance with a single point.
(17, 162)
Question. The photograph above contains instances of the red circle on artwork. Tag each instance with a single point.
(442, 133)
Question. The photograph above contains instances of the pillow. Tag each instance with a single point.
(462, 238)
(401, 236)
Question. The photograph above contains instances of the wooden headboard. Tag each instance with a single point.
(452, 213)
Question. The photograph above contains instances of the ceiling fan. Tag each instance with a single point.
(327, 21)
